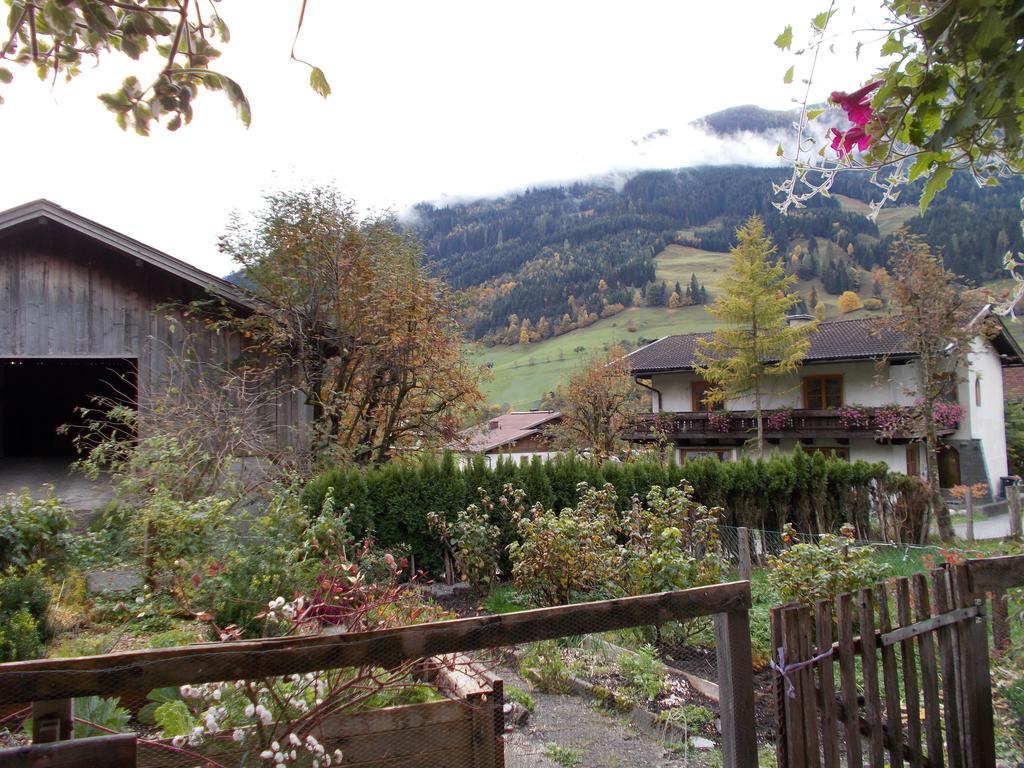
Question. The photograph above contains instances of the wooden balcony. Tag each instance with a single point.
(737, 426)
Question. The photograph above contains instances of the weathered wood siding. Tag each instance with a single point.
(63, 295)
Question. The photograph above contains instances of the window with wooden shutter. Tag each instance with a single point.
(698, 393)
(823, 392)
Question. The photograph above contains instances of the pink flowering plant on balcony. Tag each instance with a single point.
(947, 414)
(776, 421)
(719, 421)
(892, 419)
(854, 417)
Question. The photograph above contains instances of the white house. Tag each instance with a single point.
(518, 435)
(844, 401)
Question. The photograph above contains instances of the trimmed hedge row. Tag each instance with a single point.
(390, 503)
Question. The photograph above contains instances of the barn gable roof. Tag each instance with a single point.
(44, 210)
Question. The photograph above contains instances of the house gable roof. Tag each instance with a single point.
(46, 211)
(504, 430)
(833, 341)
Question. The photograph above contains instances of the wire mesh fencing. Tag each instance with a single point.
(592, 684)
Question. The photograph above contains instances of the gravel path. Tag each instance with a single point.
(601, 738)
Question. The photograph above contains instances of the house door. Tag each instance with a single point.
(949, 467)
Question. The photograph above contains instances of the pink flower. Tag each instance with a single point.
(856, 104)
(844, 141)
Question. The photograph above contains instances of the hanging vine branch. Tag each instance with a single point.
(56, 36)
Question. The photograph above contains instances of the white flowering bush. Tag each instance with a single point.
(281, 719)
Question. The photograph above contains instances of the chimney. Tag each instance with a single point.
(799, 319)
(492, 424)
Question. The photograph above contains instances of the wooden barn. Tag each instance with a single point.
(79, 317)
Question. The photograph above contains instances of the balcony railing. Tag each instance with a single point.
(877, 423)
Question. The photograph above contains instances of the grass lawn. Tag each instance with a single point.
(677, 263)
(890, 218)
(522, 374)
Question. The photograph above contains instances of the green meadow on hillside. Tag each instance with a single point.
(523, 374)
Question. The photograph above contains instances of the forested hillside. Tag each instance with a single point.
(550, 261)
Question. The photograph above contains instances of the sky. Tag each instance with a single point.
(442, 101)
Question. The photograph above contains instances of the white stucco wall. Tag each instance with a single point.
(867, 383)
(864, 383)
(518, 457)
(986, 422)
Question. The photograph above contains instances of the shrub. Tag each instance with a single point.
(643, 673)
(170, 529)
(521, 697)
(387, 504)
(873, 304)
(32, 530)
(472, 540)
(848, 302)
(19, 636)
(690, 718)
(24, 602)
(281, 556)
(542, 667)
(671, 543)
(563, 554)
(806, 573)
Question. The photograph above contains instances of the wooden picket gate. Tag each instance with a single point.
(921, 649)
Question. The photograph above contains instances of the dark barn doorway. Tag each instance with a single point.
(38, 396)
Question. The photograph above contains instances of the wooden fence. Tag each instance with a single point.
(51, 684)
(921, 650)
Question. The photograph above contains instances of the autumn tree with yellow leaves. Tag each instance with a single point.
(755, 342)
(600, 405)
(347, 307)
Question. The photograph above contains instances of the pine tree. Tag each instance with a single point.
(755, 341)
(812, 297)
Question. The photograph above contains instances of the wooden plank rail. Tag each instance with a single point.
(117, 673)
(117, 750)
(996, 573)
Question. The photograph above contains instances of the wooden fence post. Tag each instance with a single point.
(976, 681)
(1000, 620)
(1013, 502)
(970, 515)
(52, 720)
(744, 552)
(116, 751)
(736, 688)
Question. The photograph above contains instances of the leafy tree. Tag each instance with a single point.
(1015, 437)
(848, 302)
(601, 403)
(348, 307)
(54, 36)
(946, 100)
(756, 342)
(935, 320)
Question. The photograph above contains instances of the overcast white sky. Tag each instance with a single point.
(432, 101)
